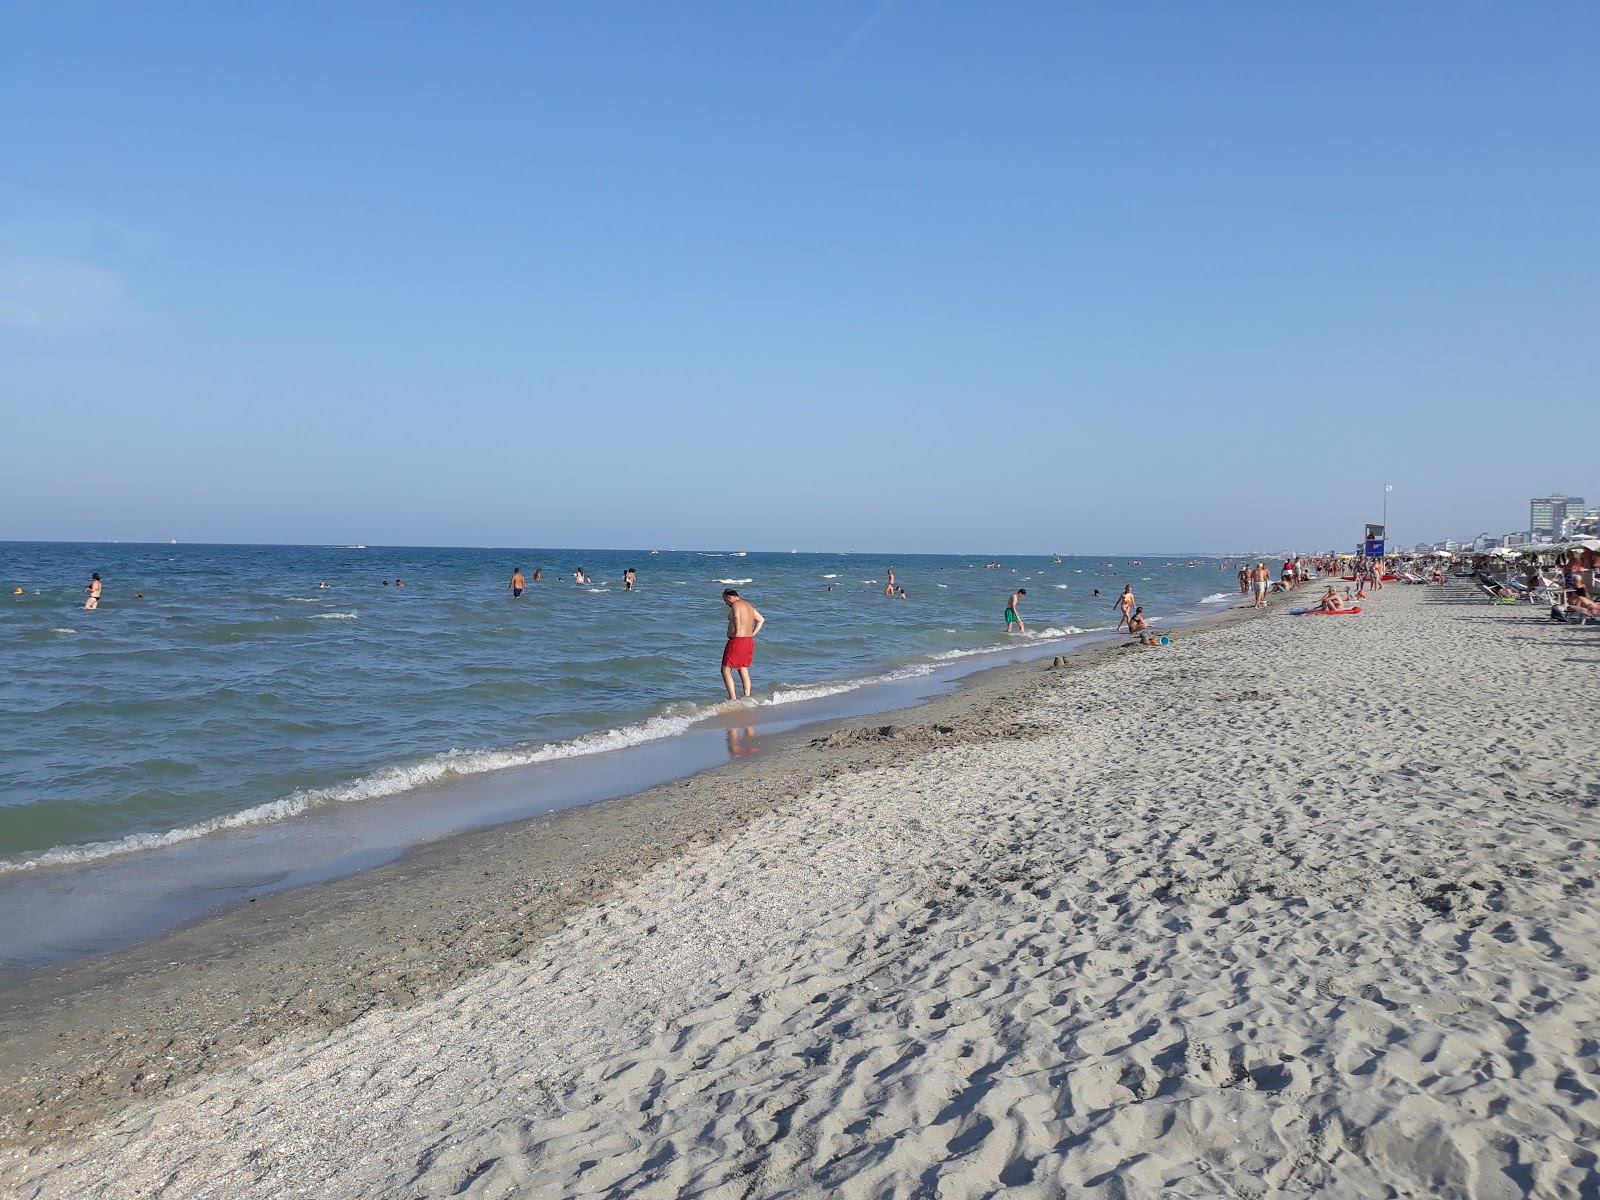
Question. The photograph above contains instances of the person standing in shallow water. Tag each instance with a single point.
(94, 589)
(1011, 611)
(1125, 602)
(744, 622)
(517, 583)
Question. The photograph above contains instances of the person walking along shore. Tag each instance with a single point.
(1125, 602)
(744, 622)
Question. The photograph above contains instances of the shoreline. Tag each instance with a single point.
(1240, 913)
(85, 1037)
(109, 901)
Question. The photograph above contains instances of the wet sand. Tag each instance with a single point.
(1293, 904)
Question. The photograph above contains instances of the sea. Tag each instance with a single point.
(223, 687)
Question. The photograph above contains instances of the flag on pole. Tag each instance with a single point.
(1388, 487)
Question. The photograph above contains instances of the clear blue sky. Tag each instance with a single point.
(916, 276)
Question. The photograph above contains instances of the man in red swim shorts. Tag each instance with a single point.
(744, 622)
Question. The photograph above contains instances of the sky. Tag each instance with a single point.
(914, 276)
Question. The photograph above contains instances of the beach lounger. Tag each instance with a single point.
(1495, 590)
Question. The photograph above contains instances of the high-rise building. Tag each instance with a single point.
(1545, 513)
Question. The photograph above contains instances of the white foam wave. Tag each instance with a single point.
(304, 599)
(63, 631)
(1062, 586)
(1052, 632)
(817, 691)
(830, 577)
(1218, 598)
(733, 581)
(948, 655)
(387, 782)
(350, 616)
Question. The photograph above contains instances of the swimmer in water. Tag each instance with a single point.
(94, 589)
(517, 583)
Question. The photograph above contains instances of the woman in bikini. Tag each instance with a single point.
(1125, 602)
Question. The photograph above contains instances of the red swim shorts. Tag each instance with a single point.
(739, 652)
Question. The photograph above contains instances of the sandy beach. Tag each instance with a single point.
(1289, 907)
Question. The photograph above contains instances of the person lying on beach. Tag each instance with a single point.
(1580, 601)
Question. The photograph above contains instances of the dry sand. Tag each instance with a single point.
(1292, 906)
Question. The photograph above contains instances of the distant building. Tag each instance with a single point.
(1546, 513)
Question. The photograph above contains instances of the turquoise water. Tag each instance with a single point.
(237, 691)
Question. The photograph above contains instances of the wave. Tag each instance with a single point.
(733, 581)
(350, 616)
(1032, 634)
(1219, 597)
(817, 691)
(389, 781)
(63, 631)
(830, 577)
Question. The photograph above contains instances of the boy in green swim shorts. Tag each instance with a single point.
(1011, 611)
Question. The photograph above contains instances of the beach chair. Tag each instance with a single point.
(1496, 591)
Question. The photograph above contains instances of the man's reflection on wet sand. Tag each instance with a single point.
(742, 742)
